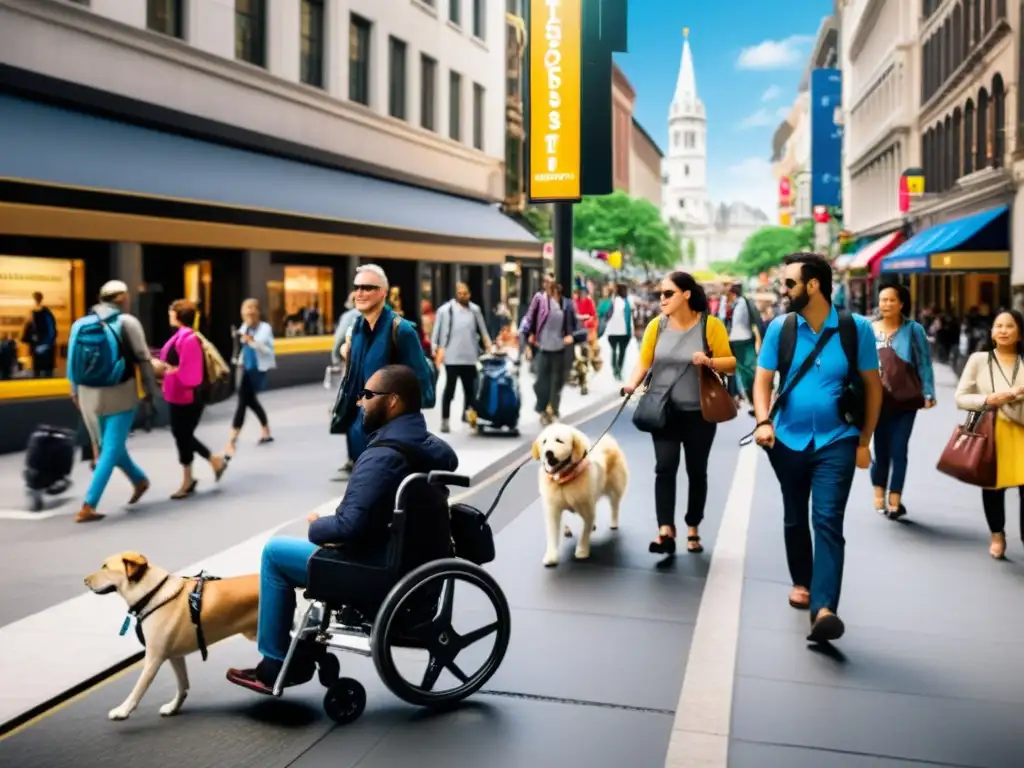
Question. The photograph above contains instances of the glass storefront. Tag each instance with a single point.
(303, 303)
(39, 300)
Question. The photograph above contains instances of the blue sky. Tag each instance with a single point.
(749, 56)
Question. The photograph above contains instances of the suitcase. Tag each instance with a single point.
(497, 394)
(49, 459)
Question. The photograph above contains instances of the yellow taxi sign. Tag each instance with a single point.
(555, 62)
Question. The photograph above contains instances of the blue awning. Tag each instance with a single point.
(51, 145)
(986, 233)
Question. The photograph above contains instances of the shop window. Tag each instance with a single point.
(303, 305)
(251, 31)
(34, 334)
(312, 43)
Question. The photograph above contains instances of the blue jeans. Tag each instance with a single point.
(892, 441)
(816, 484)
(114, 431)
(282, 571)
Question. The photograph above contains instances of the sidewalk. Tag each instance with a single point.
(930, 669)
(43, 558)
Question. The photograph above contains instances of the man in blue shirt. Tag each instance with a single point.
(812, 447)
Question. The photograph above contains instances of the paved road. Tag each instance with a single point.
(592, 675)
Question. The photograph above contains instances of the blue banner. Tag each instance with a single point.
(826, 138)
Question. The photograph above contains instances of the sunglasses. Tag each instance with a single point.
(365, 288)
(666, 295)
(369, 394)
(791, 283)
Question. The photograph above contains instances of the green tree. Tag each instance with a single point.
(766, 248)
(631, 225)
(538, 217)
(691, 253)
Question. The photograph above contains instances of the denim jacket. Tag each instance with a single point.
(910, 343)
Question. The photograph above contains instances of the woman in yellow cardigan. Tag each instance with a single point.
(672, 349)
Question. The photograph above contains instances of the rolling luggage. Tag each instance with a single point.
(49, 459)
(497, 394)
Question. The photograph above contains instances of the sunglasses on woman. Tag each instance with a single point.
(666, 295)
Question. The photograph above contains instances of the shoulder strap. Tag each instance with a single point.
(786, 387)
(411, 457)
(396, 321)
(704, 332)
(787, 346)
(848, 338)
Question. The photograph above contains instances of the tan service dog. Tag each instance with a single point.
(574, 475)
(229, 607)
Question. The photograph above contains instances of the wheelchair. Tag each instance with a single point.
(411, 611)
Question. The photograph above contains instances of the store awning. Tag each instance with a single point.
(977, 242)
(48, 145)
(868, 258)
(843, 262)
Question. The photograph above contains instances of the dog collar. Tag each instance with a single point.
(135, 611)
(563, 476)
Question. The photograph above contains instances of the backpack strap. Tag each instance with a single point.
(704, 332)
(412, 457)
(787, 346)
(848, 338)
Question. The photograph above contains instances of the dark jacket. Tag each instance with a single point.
(361, 520)
(371, 350)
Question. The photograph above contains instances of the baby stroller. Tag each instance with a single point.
(49, 460)
(497, 394)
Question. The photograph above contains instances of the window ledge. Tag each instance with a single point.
(480, 42)
(454, 25)
(425, 7)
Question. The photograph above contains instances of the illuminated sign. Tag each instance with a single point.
(556, 53)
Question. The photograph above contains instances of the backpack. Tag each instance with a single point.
(216, 386)
(96, 354)
(851, 401)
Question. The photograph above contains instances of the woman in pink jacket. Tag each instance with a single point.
(182, 368)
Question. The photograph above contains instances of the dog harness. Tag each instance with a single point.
(195, 609)
(566, 474)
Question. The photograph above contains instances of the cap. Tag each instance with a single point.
(113, 288)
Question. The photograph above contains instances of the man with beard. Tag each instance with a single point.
(399, 444)
(460, 335)
(379, 337)
(814, 435)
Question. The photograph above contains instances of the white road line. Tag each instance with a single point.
(700, 733)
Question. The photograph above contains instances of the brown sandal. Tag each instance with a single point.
(800, 598)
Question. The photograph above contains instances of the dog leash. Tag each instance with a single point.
(528, 459)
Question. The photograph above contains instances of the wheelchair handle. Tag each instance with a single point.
(437, 477)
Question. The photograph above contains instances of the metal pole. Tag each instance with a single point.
(563, 246)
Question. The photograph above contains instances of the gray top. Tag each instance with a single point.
(458, 331)
(673, 366)
(552, 337)
(124, 396)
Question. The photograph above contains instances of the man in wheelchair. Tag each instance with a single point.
(399, 444)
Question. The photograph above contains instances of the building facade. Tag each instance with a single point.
(644, 166)
(960, 256)
(224, 149)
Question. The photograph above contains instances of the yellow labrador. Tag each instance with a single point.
(159, 603)
(574, 475)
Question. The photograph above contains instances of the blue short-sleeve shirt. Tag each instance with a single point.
(811, 414)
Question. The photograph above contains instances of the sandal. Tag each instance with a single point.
(663, 545)
(693, 545)
(800, 598)
(896, 514)
(184, 493)
(998, 547)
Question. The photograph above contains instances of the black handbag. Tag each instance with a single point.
(651, 413)
(471, 534)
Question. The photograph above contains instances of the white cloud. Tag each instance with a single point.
(775, 54)
(764, 118)
(771, 94)
(749, 181)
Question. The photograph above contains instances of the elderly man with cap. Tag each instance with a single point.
(105, 349)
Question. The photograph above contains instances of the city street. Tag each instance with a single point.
(617, 661)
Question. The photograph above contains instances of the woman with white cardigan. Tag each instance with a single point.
(256, 339)
(994, 379)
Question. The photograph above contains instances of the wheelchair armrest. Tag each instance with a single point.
(438, 477)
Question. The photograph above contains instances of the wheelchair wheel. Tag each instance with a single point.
(438, 636)
(345, 701)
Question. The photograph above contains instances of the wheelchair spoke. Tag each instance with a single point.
(459, 674)
(433, 671)
(447, 601)
(477, 635)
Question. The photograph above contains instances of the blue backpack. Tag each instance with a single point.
(96, 354)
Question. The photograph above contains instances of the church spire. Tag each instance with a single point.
(686, 85)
